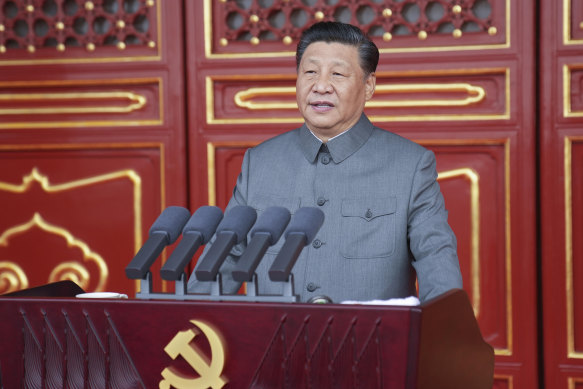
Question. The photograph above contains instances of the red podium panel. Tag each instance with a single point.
(98, 343)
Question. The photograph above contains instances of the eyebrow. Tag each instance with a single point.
(334, 63)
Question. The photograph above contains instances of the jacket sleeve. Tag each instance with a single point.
(431, 239)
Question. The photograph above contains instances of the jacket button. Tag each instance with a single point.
(317, 244)
(325, 159)
(368, 214)
(311, 287)
(321, 201)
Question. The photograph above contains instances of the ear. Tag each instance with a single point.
(370, 85)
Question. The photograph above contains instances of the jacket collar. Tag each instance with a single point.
(342, 146)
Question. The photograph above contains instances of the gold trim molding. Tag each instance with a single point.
(573, 381)
(567, 14)
(135, 102)
(65, 270)
(473, 177)
(245, 98)
(475, 94)
(567, 108)
(504, 377)
(569, 275)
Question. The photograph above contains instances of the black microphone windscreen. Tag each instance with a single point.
(204, 221)
(307, 220)
(272, 221)
(238, 220)
(170, 222)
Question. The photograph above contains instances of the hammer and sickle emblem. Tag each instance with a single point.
(209, 372)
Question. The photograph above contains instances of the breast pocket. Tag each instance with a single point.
(263, 202)
(368, 227)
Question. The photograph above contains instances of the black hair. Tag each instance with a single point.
(341, 33)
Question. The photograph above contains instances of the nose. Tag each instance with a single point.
(322, 85)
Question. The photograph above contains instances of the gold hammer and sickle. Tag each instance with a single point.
(210, 373)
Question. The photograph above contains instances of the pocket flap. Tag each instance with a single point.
(369, 209)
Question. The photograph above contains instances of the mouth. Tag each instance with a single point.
(322, 105)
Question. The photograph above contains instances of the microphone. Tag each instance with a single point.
(302, 229)
(164, 231)
(198, 231)
(232, 230)
(266, 232)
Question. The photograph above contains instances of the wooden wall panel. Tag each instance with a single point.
(467, 94)
(92, 114)
(561, 189)
(73, 223)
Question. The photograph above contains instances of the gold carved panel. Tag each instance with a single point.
(573, 165)
(76, 212)
(573, 91)
(43, 32)
(572, 22)
(234, 30)
(81, 103)
(477, 94)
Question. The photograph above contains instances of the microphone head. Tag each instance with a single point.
(170, 223)
(204, 221)
(238, 220)
(306, 220)
(272, 221)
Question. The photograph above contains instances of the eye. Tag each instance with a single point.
(338, 74)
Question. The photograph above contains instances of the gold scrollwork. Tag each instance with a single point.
(474, 179)
(67, 270)
(88, 255)
(36, 176)
(137, 102)
(71, 271)
(12, 277)
(476, 94)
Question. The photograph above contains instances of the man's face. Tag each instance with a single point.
(331, 90)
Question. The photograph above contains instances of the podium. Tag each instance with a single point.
(68, 342)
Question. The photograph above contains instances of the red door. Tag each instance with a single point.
(561, 190)
(91, 136)
(455, 76)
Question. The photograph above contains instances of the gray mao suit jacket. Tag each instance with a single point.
(385, 221)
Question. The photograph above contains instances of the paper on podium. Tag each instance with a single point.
(407, 301)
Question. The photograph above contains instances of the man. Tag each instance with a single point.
(385, 223)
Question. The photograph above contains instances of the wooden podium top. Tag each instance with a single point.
(72, 342)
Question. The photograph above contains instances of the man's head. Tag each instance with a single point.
(336, 66)
(341, 33)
